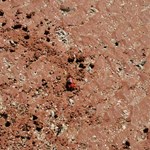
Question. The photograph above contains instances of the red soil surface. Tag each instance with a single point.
(103, 45)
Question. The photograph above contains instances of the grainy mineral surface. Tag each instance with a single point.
(104, 45)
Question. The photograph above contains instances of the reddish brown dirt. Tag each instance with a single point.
(103, 45)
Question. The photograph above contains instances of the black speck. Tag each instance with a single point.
(1, 12)
(55, 116)
(38, 126)
(70, 59)
(131, 61)
(38, 129)
(7, 124)
(120, 69)
(12, 50)
(4, 115)
(80, 59)
(17, 26)
(33, 143)
(26, 37)
(34, 117)
(116, 43)
(46, 32)
(60, 127)
(82, 65)
(48, 39)
(143, 63)
(29, 16)
(65, 9)
(28, 138)
(3, 24)
(105, 46)
(145, 130)
(25, 29)
(127, 143)
(17, 136)
(91, 65)
(44, 83)
(23, 137)
(143, 54)
(53, 43)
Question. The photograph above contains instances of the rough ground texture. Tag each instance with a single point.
(104, 45)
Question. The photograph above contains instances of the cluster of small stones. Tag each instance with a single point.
(103, 45)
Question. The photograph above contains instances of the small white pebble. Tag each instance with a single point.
(71, 101)
(123, 127)
(52, 113)
(86, 80)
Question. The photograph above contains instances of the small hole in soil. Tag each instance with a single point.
(46, 32)
(26, 37)
(116, 43)
(71, 59)
(105, 46)
(17, 26)
(23, 137)
(3, 0)
(145, 130)
(91, 65)
(3, 24)
(17, 136)
(120, 69)
(48, 39)
(143, 54)
(33, 143)
(38, 129)
(55, 116)
(127, 143)
(65, 9)
(53, 43)
(28, 138)
(82, 66)
(25, 29)
(1, 12)
(132, 61)
(143, 63)
(34, 117)
(12, 50)
(60, 127)
(29, 16)
(4, 115)
(7, 124)
(44, 83)
(80, 59)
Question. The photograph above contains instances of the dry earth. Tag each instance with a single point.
(104, 45)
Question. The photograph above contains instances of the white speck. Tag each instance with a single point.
(71, 101)
(52, 113)
(86, 80)
(123, 127)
